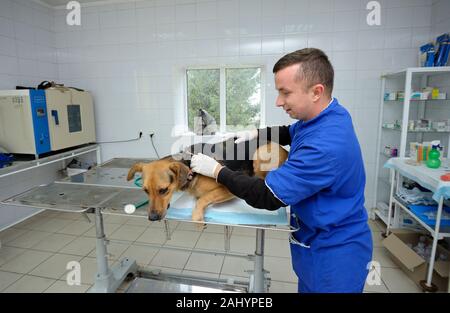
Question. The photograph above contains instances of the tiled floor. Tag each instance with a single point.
(35, 253)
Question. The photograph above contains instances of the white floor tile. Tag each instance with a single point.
(88, 270)
(114, 249)
(214, 276)
(397, 281)
(282, 287)
(142, 255)
(183, 238)
(376, 239)
(211, 241)
(76, 228)
(7, 278)
(11, 234)
(202, 262)
(25, 262)
(170, 258)
(374, 283)
(62, 287)
(30, 284)
(244, 231)
(115, 219)
(277, 247)
(80, 246)
(128, 232)
(54, 242)
(280, 269)
(29, 239)
(50, 225)
(236, 266)
(107, 227)
(277, 234)
(55, 266)
(138, 221)
(8, 253)
(153, 236)
(242, 244)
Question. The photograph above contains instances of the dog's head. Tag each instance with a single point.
(159, 180)
(204, 123)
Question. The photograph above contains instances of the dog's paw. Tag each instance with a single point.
(198, 217)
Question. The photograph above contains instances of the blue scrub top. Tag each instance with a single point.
(323, 181)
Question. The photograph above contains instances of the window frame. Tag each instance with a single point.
(223, 94)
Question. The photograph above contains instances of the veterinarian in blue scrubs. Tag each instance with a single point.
(323, 179)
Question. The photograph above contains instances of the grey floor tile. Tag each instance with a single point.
(397, 281)
(7, 279)
(55, 266)
(202, 262)
(81, 246)
(183, 238)
(128, 233)
(29, 239)
(26, 261)
(60, 286)
(54, 242)
(76, 228)
(30, 284)
(143, 255)
(8, 253)
(170, 258)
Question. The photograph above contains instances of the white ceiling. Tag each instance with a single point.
(56, 3)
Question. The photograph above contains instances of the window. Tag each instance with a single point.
(231, 95)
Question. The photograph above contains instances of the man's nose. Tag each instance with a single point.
(279, 102)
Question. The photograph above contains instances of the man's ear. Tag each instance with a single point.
(181, 172)
(135, 168)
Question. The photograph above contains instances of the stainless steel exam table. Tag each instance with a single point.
(104, 190)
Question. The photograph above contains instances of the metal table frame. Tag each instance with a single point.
(108, 279)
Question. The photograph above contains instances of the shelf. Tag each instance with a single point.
(403, 205)
(418, 131)
(416, 100)
(419, 70)
(21, 166)
(383, 217)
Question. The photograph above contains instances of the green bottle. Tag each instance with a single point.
(433, 157)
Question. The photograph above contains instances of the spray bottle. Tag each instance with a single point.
(433, 157)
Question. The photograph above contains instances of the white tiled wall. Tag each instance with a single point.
(441, 11)
(27, 44)
(130, 56)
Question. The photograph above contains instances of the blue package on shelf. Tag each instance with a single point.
(427, 213)
(441, 54)
(5, 159)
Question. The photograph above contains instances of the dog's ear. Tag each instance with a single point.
(137, 167)
(181, 172)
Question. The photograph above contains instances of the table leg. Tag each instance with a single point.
(429, 286)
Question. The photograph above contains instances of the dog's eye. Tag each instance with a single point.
(163, 191)
(146, 190)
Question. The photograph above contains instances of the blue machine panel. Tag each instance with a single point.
(40, 121)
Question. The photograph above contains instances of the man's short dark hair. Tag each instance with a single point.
(315, 67)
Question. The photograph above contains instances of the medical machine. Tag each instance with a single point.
(42, 121)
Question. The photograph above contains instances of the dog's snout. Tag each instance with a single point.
(154, 217)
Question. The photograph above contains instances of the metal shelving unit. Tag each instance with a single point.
(405, 80)
(430, 179)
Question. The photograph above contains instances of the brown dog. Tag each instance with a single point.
(161, 178)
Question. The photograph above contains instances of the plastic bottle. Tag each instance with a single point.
(433, 156)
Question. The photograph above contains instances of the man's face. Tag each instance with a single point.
(293, 96)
